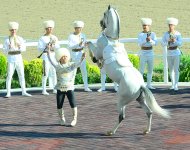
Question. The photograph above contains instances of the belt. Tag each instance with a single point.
(146, 48)
(172, 48)
(14, 52)
(77, 50)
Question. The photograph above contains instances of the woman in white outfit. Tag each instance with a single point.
(48, 41)
(173, 40)
(146, 40)
(76, 44)
(13, 46)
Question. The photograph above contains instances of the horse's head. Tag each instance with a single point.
(110, 23)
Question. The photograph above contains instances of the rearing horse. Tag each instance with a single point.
(119, 69)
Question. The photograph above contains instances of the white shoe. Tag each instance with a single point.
(176, 89)
(62, 121)
(54, 91)
(8, 95)
(172, 87)
(87, 90)
(26, 94)
(45, 93)
(74, 122)
(116, 88)
(101, 90)
(151, 87)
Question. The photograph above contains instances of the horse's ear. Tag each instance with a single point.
(109, 7)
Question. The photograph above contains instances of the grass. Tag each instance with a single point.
(31, 14)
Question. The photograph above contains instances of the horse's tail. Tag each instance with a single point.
(151, 102)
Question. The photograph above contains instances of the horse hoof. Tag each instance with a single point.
(146, 132)
(109, 133)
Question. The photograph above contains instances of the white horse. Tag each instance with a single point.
(119, 69)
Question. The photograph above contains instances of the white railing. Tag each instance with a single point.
(122, 40)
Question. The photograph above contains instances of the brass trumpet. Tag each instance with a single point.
(51, 42)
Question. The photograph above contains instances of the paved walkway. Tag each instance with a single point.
(31, 123)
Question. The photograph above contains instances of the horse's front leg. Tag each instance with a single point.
(121, 117)
(92, 49)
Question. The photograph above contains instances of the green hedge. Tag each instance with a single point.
(134, 59)
(184, 69)
(158, 74)
(33, 72)
(93, 74)
(3, 66)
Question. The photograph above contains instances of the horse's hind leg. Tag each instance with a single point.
(121, 117)
(141, 100)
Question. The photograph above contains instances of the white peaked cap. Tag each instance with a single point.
(49, 23)
(13, 25)
(146, 21)
(78, 24)
(62, 52)
(173, 21)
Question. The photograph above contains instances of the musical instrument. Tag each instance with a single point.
(51, 42)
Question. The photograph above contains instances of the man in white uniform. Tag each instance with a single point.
(48, 41)
(13, 46)
(173, 40)
(76, 44)
(146, 40)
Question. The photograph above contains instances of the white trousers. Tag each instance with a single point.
(149, 60)
(103, 77)
(19, 66)
(84, 73)
(173, 66)
(48, 72)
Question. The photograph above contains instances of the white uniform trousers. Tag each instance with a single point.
(48, 71)
(19, 66)
(103, 80)
(173, 66)
(84, 73)
(150, 62)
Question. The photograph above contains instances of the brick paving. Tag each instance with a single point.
(31, 123)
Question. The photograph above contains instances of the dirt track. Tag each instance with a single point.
(31, 14)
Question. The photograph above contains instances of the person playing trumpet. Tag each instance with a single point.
(13, 46)
(173, 40)
(48, 42)
(76, 44)
(146, 40)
